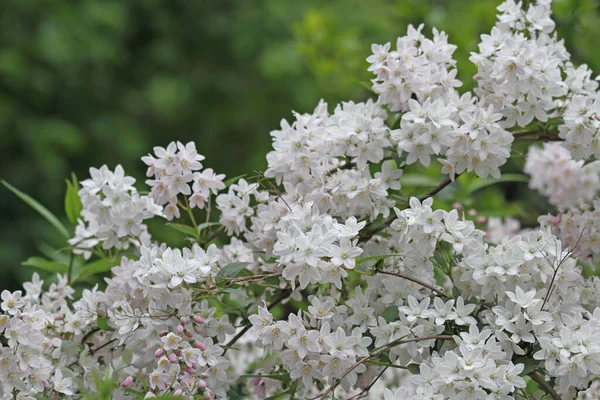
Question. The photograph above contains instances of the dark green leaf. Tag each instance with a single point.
(103, 324)
(92, 268)
(44, 212)
(282, 378)
(68, 344)
(413, 369)
(235, 291)
(205, 225)
(379, 257)
(367, 85)
(530, 364)
(230, 270)
(482, 183)
(46, 265)
(390, 314)
(72, 202)
(233, 180)
(188, 230)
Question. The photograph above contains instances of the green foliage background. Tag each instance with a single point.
(91, 82)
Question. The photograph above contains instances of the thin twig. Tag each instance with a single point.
(376, 352)
(214, 235)
(284, 295)
(372, 232)
(365, 391)
(415, 280)
(545, 385)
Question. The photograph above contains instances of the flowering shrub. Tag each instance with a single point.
(332, 282)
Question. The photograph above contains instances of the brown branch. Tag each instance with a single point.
(213, 236)
(372, 232)
(545, 385)
(284, 295)
(415, 280)
(94, 351)
(376, 352)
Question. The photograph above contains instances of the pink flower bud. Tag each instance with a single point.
(159, 353)
(173, 358)
(597, 116)
(183, 320)
(179, 329)
(195, 365)
(481, 220)
(127, 382)
(149, 395)
(189, 334)
(202, 384)
(198, 319)
(204, 375)
(199, 345)
(178, 392)
(197, 329)
(58, 317)
(188, 369)
(45, 384)
(472, 212)
(457, 206)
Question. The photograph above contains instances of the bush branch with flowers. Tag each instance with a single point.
(332, 282)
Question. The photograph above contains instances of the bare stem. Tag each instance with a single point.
(415, 280)
(545, 385)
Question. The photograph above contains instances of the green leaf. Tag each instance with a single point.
(188, 230)
(72, 201)
(230, 270)
(103, 324)
(235, 291)
(46, 265)
(482, 183)
(205, 225)
(413, 369)
(390, 314)
(418, 180)
(379, 257)
(68, 344)
(530, 364)
(233, 180)
(367, 85)
(282, 378)
(93, 268)
(39, 208)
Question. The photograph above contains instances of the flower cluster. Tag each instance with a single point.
(113, 212)
(174, 170)
(324, 278)
(567, 183)
(326, 159)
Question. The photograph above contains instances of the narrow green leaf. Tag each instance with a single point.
(233, 180)
(379, 257)
(235, 291)
(188, 230)
(230, 270)
(282, 378)
(413, 369)
(68, 344)
(205, 225)
(103, 324)
(46, 265)
(44, 212)
(367, 85)
(530, 364)
(482, 183)
(93, 268)
(390, 314)
(72, 203)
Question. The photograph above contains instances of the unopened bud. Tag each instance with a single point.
(127, 382)
(198, 319)
(173, 358)
(202, 384)
(159, 353)
(457, 206)
(179, 329)
(178, 392)
(199, 345)
(472, 212)
(481, 220)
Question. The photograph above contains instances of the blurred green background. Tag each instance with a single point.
(91, 82)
